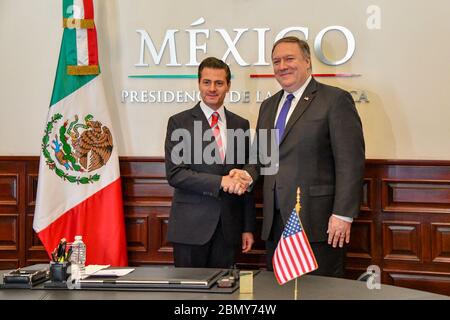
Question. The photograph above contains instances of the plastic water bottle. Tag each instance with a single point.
(78, 258)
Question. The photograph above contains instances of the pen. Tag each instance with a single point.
(69, 253)
(62, 249)
(54, 256)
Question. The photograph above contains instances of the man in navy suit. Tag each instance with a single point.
(321, 150)
(210, 217)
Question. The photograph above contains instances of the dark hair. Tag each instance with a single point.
(214, 63)
(302, 44)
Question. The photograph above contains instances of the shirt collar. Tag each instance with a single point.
(297, 94)
(208, 111)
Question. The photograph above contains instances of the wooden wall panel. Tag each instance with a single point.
(440, 242)
(12, 218)
(147, 198)
(161, 250)
(9, 263)
(367, 196)
(421, 196)
(162, 223)
(137, 233)
(9, 231)
(137, 190)
(362, 236)
(35, 251)
(402, 241)
(403, 227)
(418, 280)
(32, 183)
(9, 189)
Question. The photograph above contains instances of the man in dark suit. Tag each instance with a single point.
(206, 223)
(321, 150)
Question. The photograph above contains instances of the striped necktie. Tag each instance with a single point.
(216, 131)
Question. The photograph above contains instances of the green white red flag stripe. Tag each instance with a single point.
(79, 13)
(79, 187)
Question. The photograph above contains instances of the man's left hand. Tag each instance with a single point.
(338, 231)
(247, 241)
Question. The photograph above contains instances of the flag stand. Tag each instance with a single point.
(293, 255)
(297, 210)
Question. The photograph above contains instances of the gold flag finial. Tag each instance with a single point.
(297, 205)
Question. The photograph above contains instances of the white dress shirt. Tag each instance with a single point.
(222, 123)
(297, 95)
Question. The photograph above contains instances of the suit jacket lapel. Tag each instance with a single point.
(274, 109)
(200, 116)
(303, 103)
(231, 124)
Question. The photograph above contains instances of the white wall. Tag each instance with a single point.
(404, 66)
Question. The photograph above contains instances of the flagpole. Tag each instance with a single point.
(297, 210)
(295, 290)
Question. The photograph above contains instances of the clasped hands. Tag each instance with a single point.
(237, 182)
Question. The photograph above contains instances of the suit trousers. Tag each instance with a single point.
(331, 261)
(216, 253)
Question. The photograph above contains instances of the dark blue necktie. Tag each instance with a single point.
(281, 121)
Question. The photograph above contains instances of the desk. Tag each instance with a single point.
(265, 288)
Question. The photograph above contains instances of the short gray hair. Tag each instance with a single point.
(302, 44)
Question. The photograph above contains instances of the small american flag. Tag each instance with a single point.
(293, 256)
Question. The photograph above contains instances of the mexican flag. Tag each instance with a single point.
(79, 189)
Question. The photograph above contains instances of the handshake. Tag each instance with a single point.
(237, 182)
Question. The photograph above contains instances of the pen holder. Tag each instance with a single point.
(58, 271)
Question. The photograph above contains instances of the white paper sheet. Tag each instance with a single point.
(113, 272)
(93, 268)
